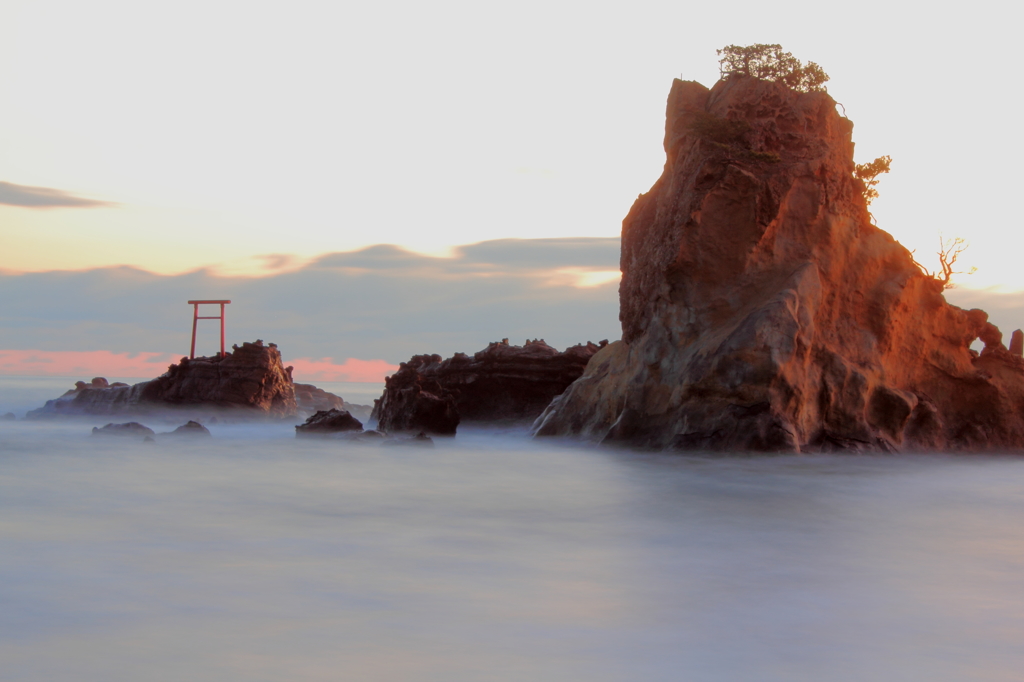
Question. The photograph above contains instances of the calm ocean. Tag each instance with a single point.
(253, 556)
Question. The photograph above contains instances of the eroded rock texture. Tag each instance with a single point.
(413, 400)
(761, 309)
(500, 383)
(250, 381)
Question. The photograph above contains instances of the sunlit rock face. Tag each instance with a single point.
(250, 381)
(761, 310)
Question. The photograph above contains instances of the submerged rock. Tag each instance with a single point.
(190, 429)
(420, 440)
(762, 310)
(126, 430)
(327, 422)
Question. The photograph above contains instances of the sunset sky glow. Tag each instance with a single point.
(231, 140)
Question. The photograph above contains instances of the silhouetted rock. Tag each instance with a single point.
(327, 422)
(414, 401)
(126, 430)
(762, 310)
(8, 416)
(249, 382)
(190, 429)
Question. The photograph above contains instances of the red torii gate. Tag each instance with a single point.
(195, 320)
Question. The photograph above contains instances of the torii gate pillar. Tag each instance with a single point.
(195, 320)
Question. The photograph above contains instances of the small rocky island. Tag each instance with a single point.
(762, 310)
(250, 382)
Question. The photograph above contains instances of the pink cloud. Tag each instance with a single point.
(104, 363)
(353, 369)
(84, 363)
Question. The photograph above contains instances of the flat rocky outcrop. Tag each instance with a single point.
(248, 382)
(501, 383)
(762, 310)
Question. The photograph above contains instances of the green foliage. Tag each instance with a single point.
(707, 126)
(770, 63)
(868, 174)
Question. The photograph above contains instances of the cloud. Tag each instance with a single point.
(45, 197)
(84, 364)
(346, 317)
(352, 369)
(378, 305)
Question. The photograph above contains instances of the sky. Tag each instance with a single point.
(149, 150)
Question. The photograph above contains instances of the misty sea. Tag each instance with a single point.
(493, 557)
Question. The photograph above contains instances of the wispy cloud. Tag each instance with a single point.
(45, 197)
(377, 303)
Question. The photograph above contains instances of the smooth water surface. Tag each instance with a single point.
(253, 556)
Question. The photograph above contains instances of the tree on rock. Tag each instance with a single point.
(949, 252)
(868, 174)
(771, 63)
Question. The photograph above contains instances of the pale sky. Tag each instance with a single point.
(206, 142)
(220, 132)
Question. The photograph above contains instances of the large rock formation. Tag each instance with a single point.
(500, 383)
(762, 310)
(248, 382)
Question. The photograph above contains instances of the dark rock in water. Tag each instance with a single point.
(189, 430)
(762, 310)
(249, 382)
(8, 417)
(500, 383)
(149, 439)
(413, 400)
(420, 440)
(128, 429)
(326, 422)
